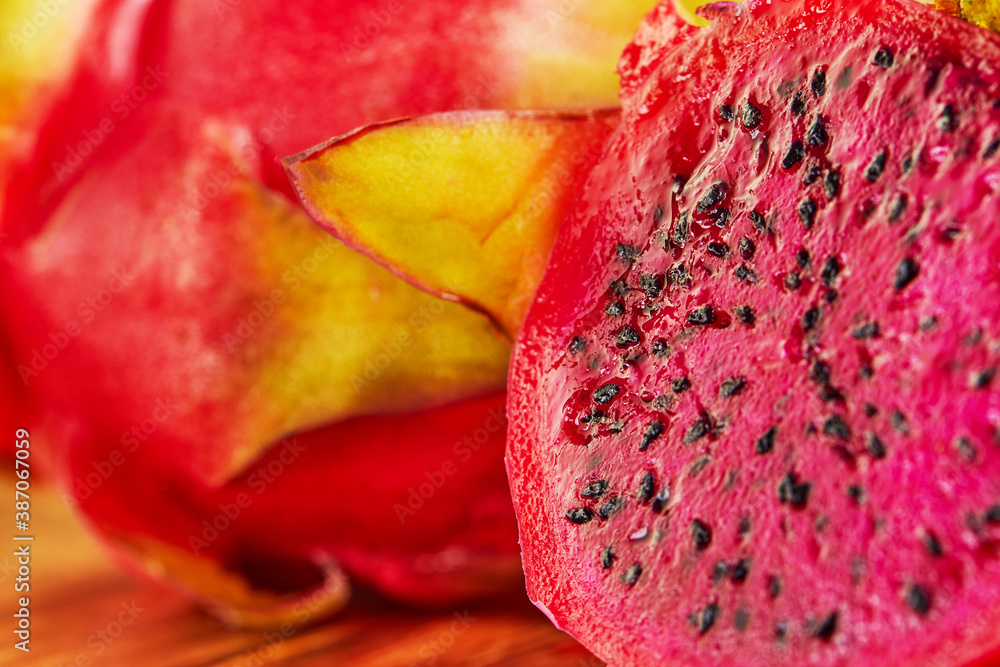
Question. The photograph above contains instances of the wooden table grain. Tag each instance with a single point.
(85, 612)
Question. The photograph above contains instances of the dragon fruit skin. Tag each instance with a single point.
(185, 200)
(754, 412)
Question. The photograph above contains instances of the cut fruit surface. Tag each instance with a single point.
(754, 404)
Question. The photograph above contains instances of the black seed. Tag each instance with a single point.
(627, 253)
(747, 248)
(627, 337)
(870, 410)
(856, 493)
(948, 122)
(802, 258)
(765, 443)
(683, 229)
(715, 195)
(745, 275)
(680, 385)
(632, 575)
(919, 599)
(906, 272)
(745, 315)
(740, 571)
(759, 223)
(774, 587)
(618, 287)
(866, 372)
(820, 373)
(702, 316)
(701, 534)
(796, 152)
(807, 212)
(907, 164)
(615, 309)
(932, 544)
(818, 84)
(580, 515)
(708, 616)
(606, 392)
(869, 330)
(798, 105)
(982, 379)
(660, 501)
(812, 174)
(780, 630)
(875, 446)
(792, 281)
(720, 570)
(721, 217)
(898, 421)
(875, 167)
(831, 184)
(831, 295)
(966, 449)
(817, 135)
(897, 208)
(810, 318)
(595, 489)
(607, 557)
(610, 507)
(993, 514)
(651, 284)
(828, 393)
(751, 116)
(741, 619)
(792, 492)
(645, 492)
(652, 432)
(883, 58)
(826, 627)
(678, 275)
(836, 427)
(726, 112)
(577, 345)
(698, 430)
(732, 387)
(659, 348)
(718, 249)
(992, 149)
(830, 271)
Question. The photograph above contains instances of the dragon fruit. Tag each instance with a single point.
(754, 411)
(179, 319)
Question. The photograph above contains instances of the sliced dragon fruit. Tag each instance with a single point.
(754, 410)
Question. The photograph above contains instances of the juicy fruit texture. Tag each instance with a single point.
(754, 405)
(202, 318)
(465, 205)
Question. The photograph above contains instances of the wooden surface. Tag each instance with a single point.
(79, 598)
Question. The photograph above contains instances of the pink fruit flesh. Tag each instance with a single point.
(774, 438)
